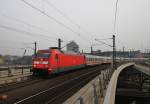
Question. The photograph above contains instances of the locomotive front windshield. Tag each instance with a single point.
(42, 55)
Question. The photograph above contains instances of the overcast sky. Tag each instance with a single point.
(78, 20)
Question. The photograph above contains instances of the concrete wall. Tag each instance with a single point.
(93, 92)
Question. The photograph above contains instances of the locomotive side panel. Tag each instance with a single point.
(68, 62)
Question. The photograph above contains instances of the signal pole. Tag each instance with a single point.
(35, 48)
(59, 43)
(114, 53)
(120, 55)
(130, 54)
(91, 50)
(123, 53)
(82, 51)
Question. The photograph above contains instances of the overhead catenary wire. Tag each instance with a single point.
(27, 33)
(66, 16)
(16, 42)
(104, 43)
(105, 39)
(10, 48)
(19, 49)
(23, 22)
(52, 18)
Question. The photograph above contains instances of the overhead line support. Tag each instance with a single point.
(59, 43)
(35, 48)
(114, 53)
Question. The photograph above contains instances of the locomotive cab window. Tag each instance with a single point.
(43, 55)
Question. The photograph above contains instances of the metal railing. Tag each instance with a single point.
(9, 71)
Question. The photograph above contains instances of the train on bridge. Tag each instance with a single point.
(53, 60)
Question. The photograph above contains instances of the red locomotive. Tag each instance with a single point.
(55, 61)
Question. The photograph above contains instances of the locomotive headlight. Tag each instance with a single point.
(36, 62)
(45, 62)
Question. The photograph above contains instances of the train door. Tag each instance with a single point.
(57, 62)
(54, 62)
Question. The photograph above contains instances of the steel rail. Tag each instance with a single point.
(68, 90)
(9, 87)
(44, 91)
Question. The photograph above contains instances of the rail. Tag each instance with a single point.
(76, 82)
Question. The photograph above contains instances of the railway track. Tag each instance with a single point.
(50, 90)
(70, 90)
(13, 86)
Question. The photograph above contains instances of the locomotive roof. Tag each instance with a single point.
(70, 52)
(55, 48)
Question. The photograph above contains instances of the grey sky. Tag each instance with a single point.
(94, 16)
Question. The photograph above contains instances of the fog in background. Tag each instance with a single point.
(79, 20)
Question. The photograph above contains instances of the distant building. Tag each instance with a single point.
(73, 46)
